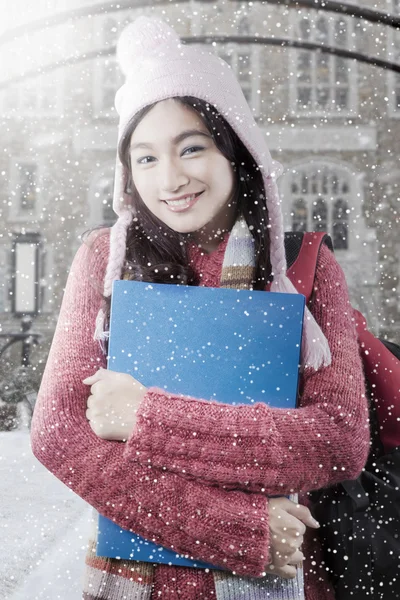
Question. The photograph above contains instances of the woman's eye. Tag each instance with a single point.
(192, 149)
(145, 160)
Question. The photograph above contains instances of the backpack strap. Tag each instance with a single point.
(381, 365)
(302, 270)
(382, 369)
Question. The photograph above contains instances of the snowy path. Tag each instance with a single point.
(43, 528)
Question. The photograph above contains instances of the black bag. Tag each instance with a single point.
(360, 519)
(360, 527)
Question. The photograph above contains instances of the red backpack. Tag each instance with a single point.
(360, 519)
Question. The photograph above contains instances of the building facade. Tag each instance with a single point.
(333, 122)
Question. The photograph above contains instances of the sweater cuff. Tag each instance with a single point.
(163, 419)
(232, 446)
(246, 551)
(167, 408)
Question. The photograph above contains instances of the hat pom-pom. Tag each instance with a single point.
(144, 37)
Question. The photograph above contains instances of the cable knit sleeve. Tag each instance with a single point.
(259, 448)
(228, 529)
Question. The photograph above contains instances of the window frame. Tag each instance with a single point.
(354, 198)
(14, 208)
(312, 112)
(253, 52)
(197, 27)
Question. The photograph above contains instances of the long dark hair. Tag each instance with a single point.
(155, 252)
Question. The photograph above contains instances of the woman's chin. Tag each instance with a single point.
(189, 226)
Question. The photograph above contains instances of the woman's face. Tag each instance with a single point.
(180, 174)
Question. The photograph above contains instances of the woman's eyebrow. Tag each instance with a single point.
(176, 140)
(189, 133)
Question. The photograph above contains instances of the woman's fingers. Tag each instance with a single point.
(286, 531)
(296, 558)
(302, 513)
(281, 559)
(288, 569)
(98, 376)
(113, 403)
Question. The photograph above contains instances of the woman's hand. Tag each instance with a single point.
(113, 403)
(287, 523)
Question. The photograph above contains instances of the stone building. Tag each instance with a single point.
(333, 122)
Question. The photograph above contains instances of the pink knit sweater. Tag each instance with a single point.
(183, 477)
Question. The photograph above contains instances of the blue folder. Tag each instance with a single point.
(232, 346)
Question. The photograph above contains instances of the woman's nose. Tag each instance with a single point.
(172, 176)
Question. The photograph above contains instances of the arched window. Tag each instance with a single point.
(320, 199)
(340, 225)
(321, 82)
(299, 215)
(320, 215)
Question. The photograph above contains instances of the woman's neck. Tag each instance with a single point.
(211, 235)
(208, 243)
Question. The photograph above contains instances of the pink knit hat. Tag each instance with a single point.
(157, 66)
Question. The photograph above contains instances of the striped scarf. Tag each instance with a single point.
(113, 579)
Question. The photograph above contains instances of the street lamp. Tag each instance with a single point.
(25, 292)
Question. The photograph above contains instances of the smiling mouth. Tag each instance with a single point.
(183, 203)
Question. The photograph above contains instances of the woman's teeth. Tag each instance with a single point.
(182, 202)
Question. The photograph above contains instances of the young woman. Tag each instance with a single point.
(196, 194)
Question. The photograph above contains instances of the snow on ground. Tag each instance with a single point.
(43, 528)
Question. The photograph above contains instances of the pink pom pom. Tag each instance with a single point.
(141, 39)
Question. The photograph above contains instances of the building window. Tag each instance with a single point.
(244, 60)
(299, 215)
(241, 59)
(39, 96)
(319, 202)
(24, 190)
(27, 187)
(108, 76)
(244, 26)
(321, 83)
(340, 224)
(319, 215)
